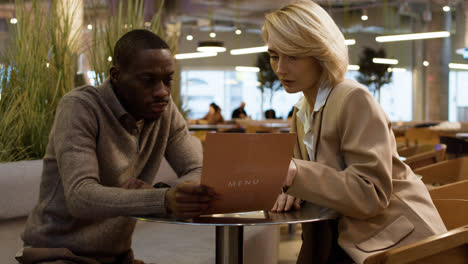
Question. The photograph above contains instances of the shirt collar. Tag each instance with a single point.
(111, 99)
(109, 96)
(303, 107)
(320, 100)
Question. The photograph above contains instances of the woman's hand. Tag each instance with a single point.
(291, 174)
(284, 202)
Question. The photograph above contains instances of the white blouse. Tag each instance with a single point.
(307, 117)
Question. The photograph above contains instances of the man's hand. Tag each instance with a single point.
(284, 202)
(189, 200)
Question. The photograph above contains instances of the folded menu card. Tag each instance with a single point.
(246, 170)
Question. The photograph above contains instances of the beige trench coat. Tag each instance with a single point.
(358, 173)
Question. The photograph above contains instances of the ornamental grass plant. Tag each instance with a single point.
(40, 62)
(38, 69)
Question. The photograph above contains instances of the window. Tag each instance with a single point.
(228, 88)
(458, 96)
(395, 97)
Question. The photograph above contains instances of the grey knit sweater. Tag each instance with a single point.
(94, 147)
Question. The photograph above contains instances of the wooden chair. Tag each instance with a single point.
(454, 212)
(444, 172)
(450, 247)
(419, 136)
(414, 150)
(406, 151)
(456, 190)
(422, 159)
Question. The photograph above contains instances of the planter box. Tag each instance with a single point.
(19, 187)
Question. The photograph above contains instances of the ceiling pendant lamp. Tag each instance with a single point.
(211, 46)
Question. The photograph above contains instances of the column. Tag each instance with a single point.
(418, 74)
(437, 53)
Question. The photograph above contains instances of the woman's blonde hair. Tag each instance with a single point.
(305, 29)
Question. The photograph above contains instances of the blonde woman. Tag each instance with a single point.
(345, 158)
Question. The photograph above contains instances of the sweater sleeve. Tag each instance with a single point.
(363, 188)
(184, 152)
(75, 133)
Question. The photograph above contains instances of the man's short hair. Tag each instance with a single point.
(133, 41)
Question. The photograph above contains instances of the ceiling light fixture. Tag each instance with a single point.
(384, 61)
(364, 16)
(427, 35)
(425, 63)
(212, 35)
(458, 66)
(90, 27)
(350, 42)
(247, 69)
(446, 8)
(249, 50)
(13, 20)
(265, 48)
(183, 56)
(353, 67)
(238, 32)
(396, 69)
(189, 37)
(211, 46)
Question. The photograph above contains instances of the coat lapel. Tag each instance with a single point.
(300, 151)
(316, 128)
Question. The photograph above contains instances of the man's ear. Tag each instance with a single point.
(114, 73)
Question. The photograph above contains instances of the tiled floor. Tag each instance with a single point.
(290, 244)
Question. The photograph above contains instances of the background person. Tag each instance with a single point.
(239, 112)
(214, 115)
(270, 114)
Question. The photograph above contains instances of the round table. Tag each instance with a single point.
(230, 227)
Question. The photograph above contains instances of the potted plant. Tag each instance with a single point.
(267, 78)
(371, 74)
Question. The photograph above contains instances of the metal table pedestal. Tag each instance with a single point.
(229, 244)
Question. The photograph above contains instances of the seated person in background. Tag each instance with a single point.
(104, 150)
(213, 116)
(345, 158)
(270, 114)
(239, 112)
